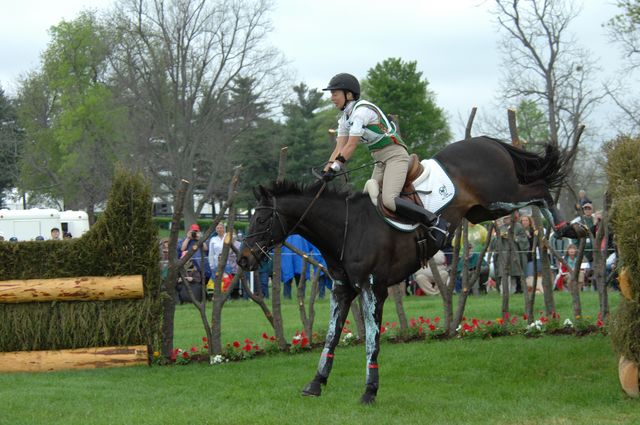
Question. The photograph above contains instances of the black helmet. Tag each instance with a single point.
(344, 82)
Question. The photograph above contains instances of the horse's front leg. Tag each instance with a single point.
(341, 297)
(372, 305)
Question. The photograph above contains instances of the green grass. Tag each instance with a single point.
(548, 380)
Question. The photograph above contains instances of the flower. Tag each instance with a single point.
(204, 339)
(568, 323)
(264, 335)
(217, 359)
(236, 344)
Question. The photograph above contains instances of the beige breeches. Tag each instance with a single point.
(393, 172)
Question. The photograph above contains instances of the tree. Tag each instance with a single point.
(70, 120)
(624, 30)
(305, 132)
(397, 88)
(177, 64)
(533, 126)
(543, 64)
(10, 145)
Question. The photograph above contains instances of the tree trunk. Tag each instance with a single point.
(547, 284)
(358, 317)
(397, 298)
(575, 289)
(169, 284)
(446, 291)
(277, 269)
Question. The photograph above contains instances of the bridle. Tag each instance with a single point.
(257, 251)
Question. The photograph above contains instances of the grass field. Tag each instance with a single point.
(547, 380)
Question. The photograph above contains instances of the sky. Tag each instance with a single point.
(454, 43)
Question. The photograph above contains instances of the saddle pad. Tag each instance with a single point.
(435, 188)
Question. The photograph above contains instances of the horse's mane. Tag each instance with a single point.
(288, 187)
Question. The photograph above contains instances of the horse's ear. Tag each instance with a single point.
(260, 192)
(256, 192)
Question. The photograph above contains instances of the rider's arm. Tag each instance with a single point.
(345, 145)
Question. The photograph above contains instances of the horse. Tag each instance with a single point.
(365, 255)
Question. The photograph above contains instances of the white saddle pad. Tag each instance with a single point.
(435, 188)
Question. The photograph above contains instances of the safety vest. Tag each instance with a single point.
(377, 136)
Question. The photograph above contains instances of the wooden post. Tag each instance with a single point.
(467, 132)
(86, 288)
(82, 358)
(276, 304)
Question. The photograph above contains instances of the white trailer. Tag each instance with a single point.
(74, 222)
(27, 225)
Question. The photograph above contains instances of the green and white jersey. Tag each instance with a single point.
(364, 119)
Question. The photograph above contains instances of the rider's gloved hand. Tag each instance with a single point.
(328, 175)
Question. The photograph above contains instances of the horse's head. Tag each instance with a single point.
(266, 230)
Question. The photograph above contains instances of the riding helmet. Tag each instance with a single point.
(344, 81)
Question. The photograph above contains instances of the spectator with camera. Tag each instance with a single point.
(200, 257)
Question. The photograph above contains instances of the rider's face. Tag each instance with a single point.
(338, 99)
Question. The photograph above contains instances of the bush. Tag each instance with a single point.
(122, 242)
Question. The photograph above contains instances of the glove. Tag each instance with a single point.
(328, 175)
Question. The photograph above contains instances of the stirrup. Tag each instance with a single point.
(439, 232)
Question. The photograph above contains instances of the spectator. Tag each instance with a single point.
(588, 220)
(560, 245)
(425, 279)
(67, 235)
(265, 271)
(582, 200)
(324, 282)
(193, 278)
(39, 238)
(473, 263)
(216, 245)
(500, 247)
(1, 236)
(55, 234)
(13, 239)
(564, 277)
(292, 264)
(190, 243)
(527, 257)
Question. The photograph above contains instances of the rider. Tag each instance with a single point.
(362, 121)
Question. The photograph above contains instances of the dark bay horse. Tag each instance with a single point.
(365, 255)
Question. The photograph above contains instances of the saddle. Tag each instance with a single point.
(415, 170)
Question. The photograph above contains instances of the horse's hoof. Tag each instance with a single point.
(313, 389)
(367, 399)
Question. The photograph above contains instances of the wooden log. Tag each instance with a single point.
(87, 288)
(628, 374)
(82, 358)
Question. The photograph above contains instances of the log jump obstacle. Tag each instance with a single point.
(86, 288)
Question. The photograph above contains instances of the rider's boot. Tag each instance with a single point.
(437, 225)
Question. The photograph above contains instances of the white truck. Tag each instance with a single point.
(27, 225)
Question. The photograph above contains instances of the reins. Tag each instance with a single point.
(265, 249)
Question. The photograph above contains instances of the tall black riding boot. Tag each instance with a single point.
(437, 225)
(414, 212)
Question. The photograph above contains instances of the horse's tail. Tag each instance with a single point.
(531, 167)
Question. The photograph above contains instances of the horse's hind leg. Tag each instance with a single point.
(372, 305)
(341, 298)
